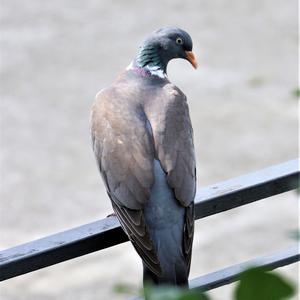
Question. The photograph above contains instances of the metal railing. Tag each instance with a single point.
(107, 232)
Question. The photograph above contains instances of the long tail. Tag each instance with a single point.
(172, 261)
(180, 279)
(165, 217)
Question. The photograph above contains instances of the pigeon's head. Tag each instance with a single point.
(162, 46)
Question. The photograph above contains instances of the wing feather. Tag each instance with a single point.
(173, 136)
(133, 223)
(188, 234)
(124, 152)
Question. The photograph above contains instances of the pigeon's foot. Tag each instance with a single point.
(111, 215)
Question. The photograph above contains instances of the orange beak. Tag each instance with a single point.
(191, 58)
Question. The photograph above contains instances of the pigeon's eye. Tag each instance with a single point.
(179, 41)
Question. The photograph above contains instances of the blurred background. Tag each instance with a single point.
(56, 55)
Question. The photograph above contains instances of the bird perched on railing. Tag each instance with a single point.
(143, 142)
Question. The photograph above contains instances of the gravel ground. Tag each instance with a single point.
(56, 55)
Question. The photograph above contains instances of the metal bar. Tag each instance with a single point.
(231, 274)
(247, 188)
(60, 247)
(107, 232)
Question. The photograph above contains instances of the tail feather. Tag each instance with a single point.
(172, 261)
(165, 219)
(179, 279)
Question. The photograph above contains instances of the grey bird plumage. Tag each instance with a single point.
(143, 142)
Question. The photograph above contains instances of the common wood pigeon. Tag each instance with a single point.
(143, 142)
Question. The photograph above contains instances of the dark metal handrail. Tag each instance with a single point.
(107, 232)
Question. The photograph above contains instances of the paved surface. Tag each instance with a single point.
(56, 55)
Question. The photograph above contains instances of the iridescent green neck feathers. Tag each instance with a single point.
(148, 56)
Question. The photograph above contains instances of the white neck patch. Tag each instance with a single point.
(154, 70)
(129, 67)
